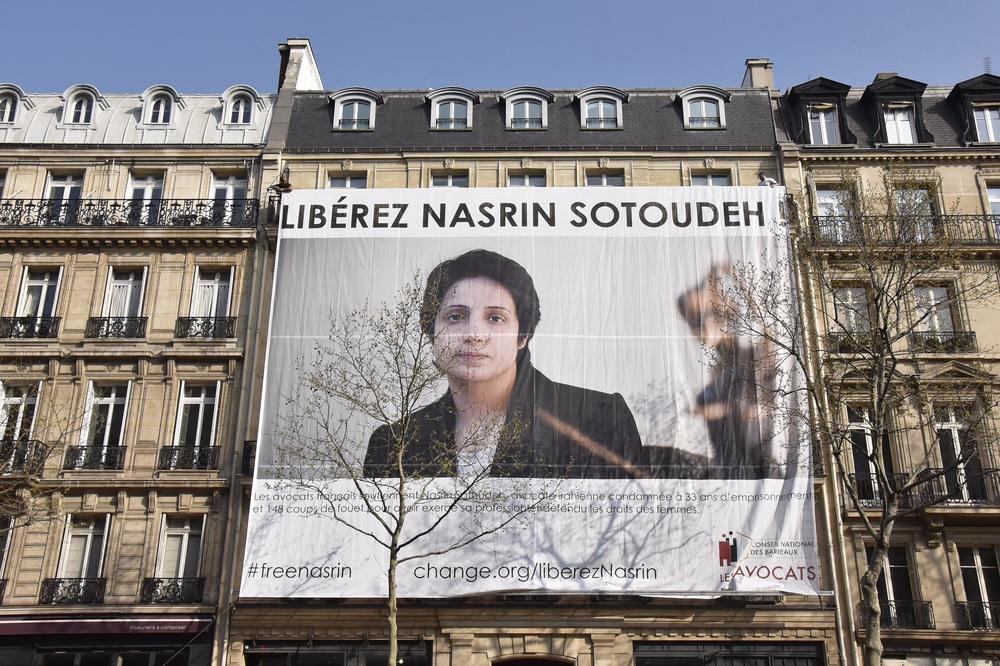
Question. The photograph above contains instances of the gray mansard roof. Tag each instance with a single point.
(652, 120)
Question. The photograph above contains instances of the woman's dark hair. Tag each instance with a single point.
(483, 263)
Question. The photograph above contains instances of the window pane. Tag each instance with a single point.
(191, 556)
(172, 553)
(535, 110)
(363, 110)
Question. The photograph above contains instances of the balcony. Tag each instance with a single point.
(205, 327)
(850, 342)
(95, 457)
(116, 327)
(73, 591)
(188, 457)
(978, 615)
(171, 591)
(873, 230)
(869, 491)
(22, 457)
(249, 458)
(979, 488)
(943, 342)
(116, 213)
(907, 615)
(29, 327)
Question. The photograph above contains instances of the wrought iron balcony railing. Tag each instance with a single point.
(526, 123)
(978, 615)
(112, 213)
(708, 122)
(907, 615)
(188, 457)
(95, 457)
(249, 458)
(850, 342)
(869, 230)
(29, 327)
(171, 591)
(73, 591)
(602, 123)
(452, 123)
(205, 327)
(23, 457)
(116, 327)
(348, 124)
(945, 342)
(869, 490)
(953, 486)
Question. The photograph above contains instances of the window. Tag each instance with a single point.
(83, 547)
(850, 310)
(606, 179)
(196, 416)
(914, 209)
(212, 293)
(833, 218)
(6, 525)
(17, 420)
(160, 110)
(180, 547)
(230, 204)
(703, 113)
(898, 123)
(147, 193)
(987, 123)
(38, 295)
(823, 129)
(3, 181)
(104, 425)
(64, 192)
(933, 310)
(981, 580)
(349, 181)
(240, 109)
(866, 480)
(81, 108)
(125, 293)
(993, 193)
(452, 114)
(355, 114)
(710, 179)
(895, 590)
(526, 179)
(963, 477)
(8, 108)
(526, 114)
(450, 180)
(602, 114)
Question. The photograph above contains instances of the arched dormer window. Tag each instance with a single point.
(238, 104)
(704, 107)
(160, 105)
(527, 108)
(601, 107)
(80, 104)
(354, 109)
(8, 107)
(451, 108)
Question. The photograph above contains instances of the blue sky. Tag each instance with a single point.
(209, 45)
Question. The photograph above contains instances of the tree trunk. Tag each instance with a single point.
(393, 609)
(872, 617)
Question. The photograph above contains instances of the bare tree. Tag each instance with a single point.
(378, 367)
(881, 277)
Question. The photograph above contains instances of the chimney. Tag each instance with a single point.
(298, 70)
(882, 76)
(759, 73)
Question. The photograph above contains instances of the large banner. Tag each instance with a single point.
(528, 390)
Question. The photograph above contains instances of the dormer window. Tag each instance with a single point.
(81, 109)
(898, 123)
(160, 104)
(451, 108)
(160, 110)
(987, 123)
(239, 110)
(354, 109)
(452, 114)
(823, 130)
(8, 107)
(527, 108)
(238, 104)
(526, 114)
(704, 107)
(601, 107)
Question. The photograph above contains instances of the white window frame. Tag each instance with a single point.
(197, 282)
(338, 114)
(956, 427)
(602, 102)
(164, 115)
(712, 176)
(450, 102)
(894, 115)
(8, 111)
(527, 99)
(694, 94)
(183, 400)
(827, 112)
(148, 185)
(603, 175)
(690, 116)
(241, 104)
(349, 181)
(186, 534)
(984, 592)
(993, 198)
(524, 177)
(22, 297)
(450, 177)
(22, 404)
(68, 532)
(92, 400)
(940, 313)
(106, 309)
(67, 180)
(7, 529)
(992, 124)
(871, 441)
(857, 312)
(86, 114)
